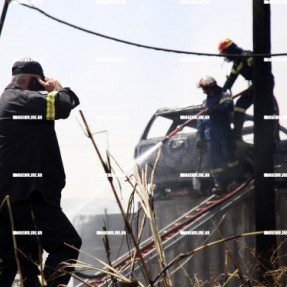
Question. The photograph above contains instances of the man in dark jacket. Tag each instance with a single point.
(216, 131)
(32, 175)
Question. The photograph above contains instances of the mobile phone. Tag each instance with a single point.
(34, 85)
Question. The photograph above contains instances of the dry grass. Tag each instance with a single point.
(143, 191)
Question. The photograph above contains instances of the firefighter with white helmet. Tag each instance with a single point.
(216, 131)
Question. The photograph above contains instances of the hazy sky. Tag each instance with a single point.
(120, 86)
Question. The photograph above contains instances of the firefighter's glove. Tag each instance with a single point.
(200, 143)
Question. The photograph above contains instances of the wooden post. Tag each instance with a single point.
(263, 84)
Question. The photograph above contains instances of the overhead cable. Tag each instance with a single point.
(141, 45)
(3, 15)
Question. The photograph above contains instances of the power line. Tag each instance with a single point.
(141, 45)
(3, 15)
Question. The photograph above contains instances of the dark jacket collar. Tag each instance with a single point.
(13, 86)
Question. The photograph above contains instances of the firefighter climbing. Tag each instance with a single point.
(242, 65)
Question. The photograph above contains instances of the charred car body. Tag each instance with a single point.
(183, 165)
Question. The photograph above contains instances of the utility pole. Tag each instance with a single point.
(263, 84)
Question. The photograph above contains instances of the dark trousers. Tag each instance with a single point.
(56, 229)
(243, 103)
(221, 154)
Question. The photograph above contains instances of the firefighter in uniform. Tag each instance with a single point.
(217, 133)
(242, 65)
(32, 175)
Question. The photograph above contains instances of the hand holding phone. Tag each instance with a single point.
(50, 84)
(35, 85)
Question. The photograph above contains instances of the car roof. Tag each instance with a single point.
(172, 113)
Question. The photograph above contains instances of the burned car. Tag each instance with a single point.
(183, 165)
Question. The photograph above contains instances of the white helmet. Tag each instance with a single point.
(207, 82)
